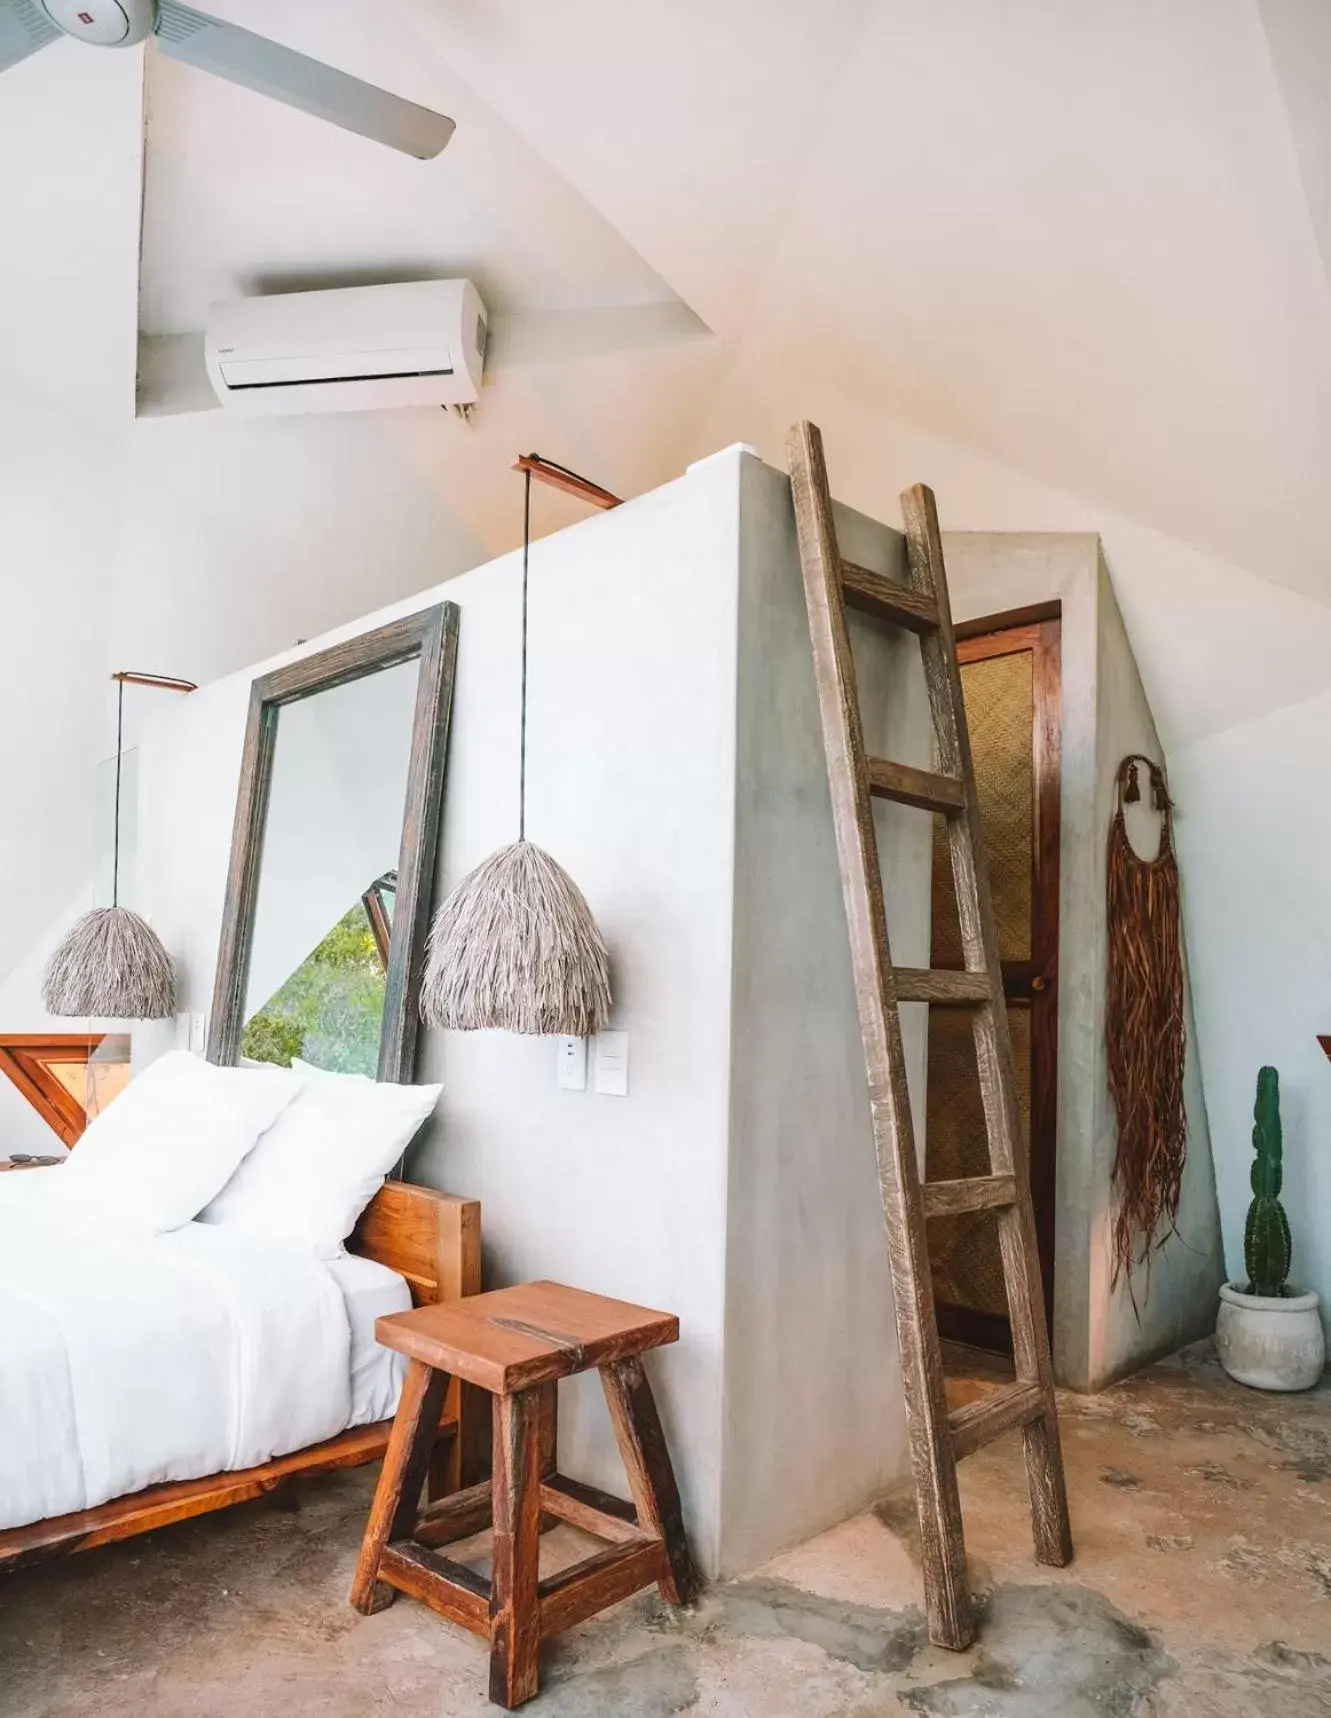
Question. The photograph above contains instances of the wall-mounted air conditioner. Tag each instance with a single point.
(362, 348)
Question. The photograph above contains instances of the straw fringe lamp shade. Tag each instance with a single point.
(111, 964)
(515, 945)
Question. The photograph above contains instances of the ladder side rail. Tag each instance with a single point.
(979, 939)
(1016, 1225)
(933, 1463)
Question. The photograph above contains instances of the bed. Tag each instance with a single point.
(189, 1336)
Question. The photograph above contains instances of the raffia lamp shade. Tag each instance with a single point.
(515, 946)
(111, 965)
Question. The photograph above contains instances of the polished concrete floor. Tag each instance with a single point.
(1202, 1587)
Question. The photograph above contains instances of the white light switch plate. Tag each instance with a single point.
(198, 1033)
(572, 1064)
(612, 1064)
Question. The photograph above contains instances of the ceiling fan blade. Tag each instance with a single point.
(24, 28)
(239, 55)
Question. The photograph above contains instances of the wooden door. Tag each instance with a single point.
(1010, 681)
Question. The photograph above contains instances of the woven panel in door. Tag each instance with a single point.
(1000, 712)
(963, 1251)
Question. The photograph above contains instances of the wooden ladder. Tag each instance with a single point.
(938, 1438)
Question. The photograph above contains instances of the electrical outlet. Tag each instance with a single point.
(571, 1074)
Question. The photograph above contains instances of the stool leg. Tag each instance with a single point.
(646, 1458)
(397, 1497)
(515, 1621)
(445, 1471)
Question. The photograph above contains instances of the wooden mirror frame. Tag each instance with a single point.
(430, 636)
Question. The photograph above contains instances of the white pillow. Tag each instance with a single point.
(323, 1160)
(171, 1140)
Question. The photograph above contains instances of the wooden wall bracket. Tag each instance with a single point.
(560, 477)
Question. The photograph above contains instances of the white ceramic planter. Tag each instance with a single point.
(1268, 1343)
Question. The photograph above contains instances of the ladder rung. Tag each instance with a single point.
(909, 786)
(871, 593)
(979, 1423)
(976, 1193)
(936, 984)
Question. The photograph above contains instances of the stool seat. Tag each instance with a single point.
(512, 1338)
(517, 1343)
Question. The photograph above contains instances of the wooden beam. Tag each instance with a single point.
(167, 682)
(939, 984)
(975, 1193)
(909, 786)
(592, 1511)
(871, 593)
(559, 478)
(979, 1423)
(451, 1589)
(580, 1592)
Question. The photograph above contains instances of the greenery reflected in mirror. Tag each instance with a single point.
(330, 1010)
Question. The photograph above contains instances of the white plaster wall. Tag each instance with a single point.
(631, 785)
(58, 512)
(1254, 840)
(814, 1426)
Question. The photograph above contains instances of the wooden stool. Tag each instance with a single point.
(517, 1343)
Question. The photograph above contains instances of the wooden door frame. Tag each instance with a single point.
(1039, 630)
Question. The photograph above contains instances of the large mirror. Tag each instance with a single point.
(333, 852)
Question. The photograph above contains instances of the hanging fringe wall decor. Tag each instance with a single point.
(1144, 1027)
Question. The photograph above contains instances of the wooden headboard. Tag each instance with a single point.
(432, 1239)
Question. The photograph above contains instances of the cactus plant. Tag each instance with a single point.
(1266, 1241)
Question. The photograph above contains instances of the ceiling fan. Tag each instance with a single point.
(228, 52)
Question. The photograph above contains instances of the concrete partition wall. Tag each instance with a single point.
(675, 768)
(1098, 1334)
(814, 1424)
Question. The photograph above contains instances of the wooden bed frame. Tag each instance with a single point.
(434, 1241)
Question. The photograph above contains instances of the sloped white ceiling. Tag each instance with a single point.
(1080, 239)
(246, 196)
(1073, 236)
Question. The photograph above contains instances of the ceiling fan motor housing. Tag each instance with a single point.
(104, 23)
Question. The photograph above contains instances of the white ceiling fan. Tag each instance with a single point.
(228, 52)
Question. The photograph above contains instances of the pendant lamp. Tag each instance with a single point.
(515, 945)
(111, 965)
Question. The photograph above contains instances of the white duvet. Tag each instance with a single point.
(124, 1363)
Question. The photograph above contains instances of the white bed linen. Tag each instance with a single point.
(370, 1291)
(125, 1362)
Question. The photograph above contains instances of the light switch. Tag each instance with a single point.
(612, 1064)
(572, 1065)
(198, 1033)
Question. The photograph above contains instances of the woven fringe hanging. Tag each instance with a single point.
(1144, 1028)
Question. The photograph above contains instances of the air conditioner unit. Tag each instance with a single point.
(361, 348)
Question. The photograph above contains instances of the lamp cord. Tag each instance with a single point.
(115, 848)
(522, 763)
